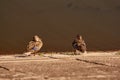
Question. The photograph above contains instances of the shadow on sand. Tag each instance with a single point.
(5, 68)
(87, 61)
(52, 57)
(21, 56)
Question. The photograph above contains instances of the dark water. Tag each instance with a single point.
(58, 21)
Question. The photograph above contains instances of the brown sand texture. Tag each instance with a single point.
(61, 66)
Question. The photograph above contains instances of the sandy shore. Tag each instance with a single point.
(90, 66)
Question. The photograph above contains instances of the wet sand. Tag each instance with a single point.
(58, 21)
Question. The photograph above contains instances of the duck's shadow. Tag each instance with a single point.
(21, 56)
